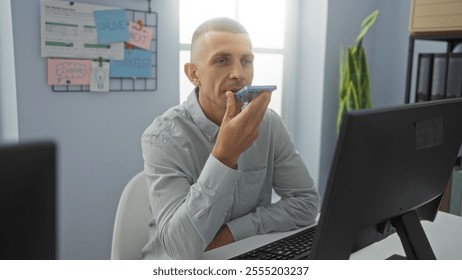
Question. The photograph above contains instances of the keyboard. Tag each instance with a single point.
(293, 247)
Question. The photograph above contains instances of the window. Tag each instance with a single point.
(265, 22)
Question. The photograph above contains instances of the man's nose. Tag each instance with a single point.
(237, 71)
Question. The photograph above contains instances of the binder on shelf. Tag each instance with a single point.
(454, 87)
(455, 205)
(424, 72)
(438, 76)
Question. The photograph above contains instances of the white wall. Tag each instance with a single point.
(98, 135)
(8, 106)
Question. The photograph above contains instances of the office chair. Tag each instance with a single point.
(131, 221)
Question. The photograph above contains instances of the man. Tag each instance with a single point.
(211, 167)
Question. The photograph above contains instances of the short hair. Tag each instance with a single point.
(218, 24)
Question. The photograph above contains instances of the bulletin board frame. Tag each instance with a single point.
(150, 19)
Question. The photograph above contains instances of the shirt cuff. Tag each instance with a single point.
(219, 178)
(242, 227)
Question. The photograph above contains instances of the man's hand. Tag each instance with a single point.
(239, 129)
(223, 237)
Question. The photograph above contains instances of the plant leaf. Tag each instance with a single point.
(341, 70)
(354, 83)
(354, 97)
(366, 24)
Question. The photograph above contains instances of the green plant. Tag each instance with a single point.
(354, 88)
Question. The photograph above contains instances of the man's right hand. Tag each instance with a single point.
(239, 129)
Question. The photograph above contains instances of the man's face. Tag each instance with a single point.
(223, 62)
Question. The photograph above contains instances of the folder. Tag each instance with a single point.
(424, 72)
(454, 88)
(438, 76)
(456, 192)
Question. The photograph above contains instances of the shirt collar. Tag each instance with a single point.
(208, 128)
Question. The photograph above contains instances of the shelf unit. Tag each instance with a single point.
(452, 39)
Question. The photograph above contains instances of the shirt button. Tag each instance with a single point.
(210, 137)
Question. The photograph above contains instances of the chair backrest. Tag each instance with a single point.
(131, 221)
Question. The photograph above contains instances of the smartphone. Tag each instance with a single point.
(248, 93)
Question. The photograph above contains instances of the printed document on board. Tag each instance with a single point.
(68, 30)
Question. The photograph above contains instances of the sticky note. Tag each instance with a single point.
(136, 64)
(140, 37)
(69, 72)
(111, 26)
(99, 76)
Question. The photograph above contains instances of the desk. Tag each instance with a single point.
(444, 235)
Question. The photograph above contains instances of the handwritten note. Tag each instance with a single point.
(140, 36)
(69, 72)
(136, 64)
(111, 26)
(99, 76)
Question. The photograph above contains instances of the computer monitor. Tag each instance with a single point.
(389, 171)
(28, 201)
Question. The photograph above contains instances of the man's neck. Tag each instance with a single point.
(207, 107)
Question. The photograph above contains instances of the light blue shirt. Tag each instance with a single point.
(192, 194)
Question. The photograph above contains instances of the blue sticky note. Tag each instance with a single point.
(111, 26)
(136, 64)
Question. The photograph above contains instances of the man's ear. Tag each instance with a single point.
(190, 70)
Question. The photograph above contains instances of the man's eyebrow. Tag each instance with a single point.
(221, 54)
(250, 55)
(226, 54)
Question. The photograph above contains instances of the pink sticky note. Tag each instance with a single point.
(69, 72)
(140, 37)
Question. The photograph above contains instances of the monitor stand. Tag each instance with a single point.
(412, 235)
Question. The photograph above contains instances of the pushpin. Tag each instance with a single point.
(129, 47)
(140, 24)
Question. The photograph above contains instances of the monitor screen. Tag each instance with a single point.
(27, 201)
(389, 171)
